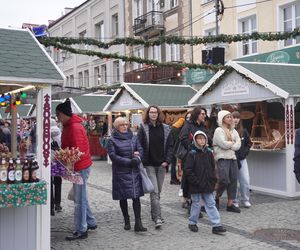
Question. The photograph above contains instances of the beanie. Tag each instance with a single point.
(65, 107)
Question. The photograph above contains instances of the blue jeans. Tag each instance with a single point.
(244, 181)
(210, 206)
(157, 176)
(83, 215)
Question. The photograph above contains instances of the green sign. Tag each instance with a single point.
(288, 55)
(194, 76)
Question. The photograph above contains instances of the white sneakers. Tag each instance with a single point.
(180, 192)
(247, 204)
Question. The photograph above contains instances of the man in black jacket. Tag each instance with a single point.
(157, 146)
(297, 155)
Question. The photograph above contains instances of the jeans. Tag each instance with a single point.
(157, 176)
(244, 180)
(83, 215)
(210, 206)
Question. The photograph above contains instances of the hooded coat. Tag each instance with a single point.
(126, 179)
(74, 135)
(200, 168)
(224, 148)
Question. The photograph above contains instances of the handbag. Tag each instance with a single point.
(146, 182)
(180, 152)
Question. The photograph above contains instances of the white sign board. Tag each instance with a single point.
(234, 88)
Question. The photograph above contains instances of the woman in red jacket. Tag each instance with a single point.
(74, 135)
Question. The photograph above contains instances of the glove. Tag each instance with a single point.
(134, 162)
(54, 146)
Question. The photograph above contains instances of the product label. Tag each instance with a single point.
(11, 175)
(18, 175)
(26, 175)
(35, 174)
(3, 176)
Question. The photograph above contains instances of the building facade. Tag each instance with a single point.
(149, 19)
(99, 19)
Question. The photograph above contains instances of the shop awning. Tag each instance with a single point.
(140, 96)
(91, 104)
(250, 81)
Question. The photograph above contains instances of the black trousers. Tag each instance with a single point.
(55, 191)
(136, 204)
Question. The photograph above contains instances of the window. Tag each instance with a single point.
(138, 8)
(175, 52)
(80, 79)
(210, 32)
(86, 78)
(82, 35)
(99, 31)
(291, 20)
(71, 80)
(155, 53)
(67, 81)
(115, 25)
(247, 26)
(116, 71)
(173, 3)
(139, 52)
(97, 76)
(103, 74)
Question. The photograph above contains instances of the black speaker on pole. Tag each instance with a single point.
(218, 55)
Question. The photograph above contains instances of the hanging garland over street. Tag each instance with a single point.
(135, 59)
(268, 36)
(65, 43)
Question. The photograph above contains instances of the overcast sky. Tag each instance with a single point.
(15, 12)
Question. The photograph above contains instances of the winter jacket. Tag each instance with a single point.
(200, 169)
(74, 135)
(143, 136)
(126, 177)
(224, 149)
(297, 155)
(246, 144)
(188, 131)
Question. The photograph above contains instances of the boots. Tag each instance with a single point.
(127, 223)
(138, 227)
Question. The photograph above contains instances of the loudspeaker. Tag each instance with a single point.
(207, 56)
(218, 55)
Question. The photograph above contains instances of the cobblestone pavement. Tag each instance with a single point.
(266, 213)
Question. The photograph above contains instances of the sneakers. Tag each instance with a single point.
(218, 230)
(158, 223)
(193, 228)
(180, 193)
(233, 209)
(92, 227)
(77, 236)
(247, 204)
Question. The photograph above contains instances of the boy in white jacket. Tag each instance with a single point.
(226, 141)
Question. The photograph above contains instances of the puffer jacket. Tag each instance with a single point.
(246, 144)
(126, 180)
(297, 155)
(224, 149)
(74, 135)
(200, 169)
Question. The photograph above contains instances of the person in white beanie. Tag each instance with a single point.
(226, 141)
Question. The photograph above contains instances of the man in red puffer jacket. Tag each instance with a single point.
(74, 135)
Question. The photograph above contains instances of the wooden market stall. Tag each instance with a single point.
(133, 98)
(25, 67)
(90, 108)
(269, 91)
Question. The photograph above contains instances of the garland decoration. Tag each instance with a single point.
(134, 58)
(223, 38)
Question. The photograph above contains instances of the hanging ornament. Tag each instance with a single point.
(18, 101)
(7, 96)
(3, 104)
(23, 94)
(2, 99)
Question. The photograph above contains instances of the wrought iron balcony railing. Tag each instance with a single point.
(151, 22)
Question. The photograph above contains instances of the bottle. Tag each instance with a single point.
(11, 172)
(3, 172)
(26, 172)
(34, 171)
(18, 171)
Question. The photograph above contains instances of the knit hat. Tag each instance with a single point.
(221, 115)
(65, 107)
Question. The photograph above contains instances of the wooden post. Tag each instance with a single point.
(13, 113)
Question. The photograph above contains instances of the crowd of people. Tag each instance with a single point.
(215, 161)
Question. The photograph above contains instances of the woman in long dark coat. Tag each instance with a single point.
(125, 152)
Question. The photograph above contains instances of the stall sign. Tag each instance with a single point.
(278, 57)
(126, 101)
(235, 88)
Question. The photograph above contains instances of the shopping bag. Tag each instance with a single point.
(146, 182)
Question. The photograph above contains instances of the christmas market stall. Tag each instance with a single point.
(26, 76)
(133, 98)
(90, 108)
(267, 96)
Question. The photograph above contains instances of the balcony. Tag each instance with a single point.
(153, 74)
(150, 24)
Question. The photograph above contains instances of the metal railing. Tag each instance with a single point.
(150, 20)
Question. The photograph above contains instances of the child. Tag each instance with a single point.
(200, 171)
